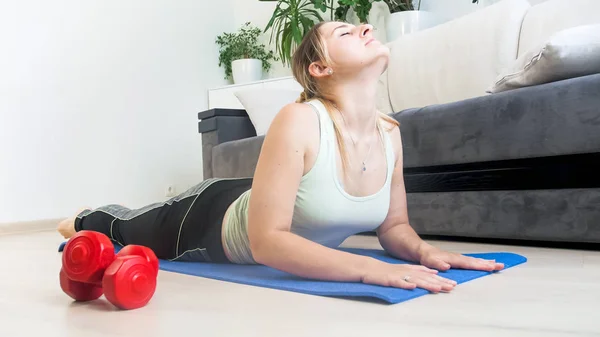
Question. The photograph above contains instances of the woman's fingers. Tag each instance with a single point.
(424, 269)
(435, 276)
(445, 280)
(432, 286)
(410, 277)
(431, 282)
(400, 283)
(445, 284)
(438, 264)
(498, 266)
(467, 262)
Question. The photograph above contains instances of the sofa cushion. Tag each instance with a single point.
(569, 53)
(263, 104)
(549, 17)
(557, 118)
(236, 159)
(457, 59)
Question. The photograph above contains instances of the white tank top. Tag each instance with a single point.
(323, 212)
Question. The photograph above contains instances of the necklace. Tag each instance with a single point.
(364, 165)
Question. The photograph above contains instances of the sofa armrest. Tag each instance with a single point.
(552, 119)
(218, 126)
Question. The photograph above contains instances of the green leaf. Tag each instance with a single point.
(316, 14)
(341, 12)
(270, 23)
(320, 4)
(291, 20)
(307, 24)
(296, 32)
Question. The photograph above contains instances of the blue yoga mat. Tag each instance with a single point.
(263, 276)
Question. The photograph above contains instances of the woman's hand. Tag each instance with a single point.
(407, 277)
(441, 260)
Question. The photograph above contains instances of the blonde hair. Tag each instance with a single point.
(313, 49)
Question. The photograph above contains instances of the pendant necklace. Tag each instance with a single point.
(364, 165)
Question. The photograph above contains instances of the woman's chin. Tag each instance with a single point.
(381, 55)
(383, 48)
(378, 49)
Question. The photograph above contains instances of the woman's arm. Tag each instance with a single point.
(399, 239)
(395, 234)
(276, 180)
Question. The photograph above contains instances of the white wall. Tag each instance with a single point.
(99, 101)
(259, 13)
(451, 9)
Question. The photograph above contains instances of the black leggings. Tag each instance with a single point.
(184, 228)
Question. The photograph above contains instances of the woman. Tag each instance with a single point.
(330, 167)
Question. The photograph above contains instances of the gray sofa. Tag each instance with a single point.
(522, 164)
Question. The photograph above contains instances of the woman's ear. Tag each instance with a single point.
(318, 70)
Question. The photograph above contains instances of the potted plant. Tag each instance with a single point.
(291, 20)
(242, 56)
(409, 19)
(362, 8)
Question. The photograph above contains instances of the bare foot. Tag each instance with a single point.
(66, 228)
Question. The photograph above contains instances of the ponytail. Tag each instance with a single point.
(303, 97)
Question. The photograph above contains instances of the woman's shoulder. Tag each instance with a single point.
(294, 118)
(295, 123)
(293, 113)
(393, 131)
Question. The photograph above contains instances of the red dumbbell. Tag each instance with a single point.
(91, 268)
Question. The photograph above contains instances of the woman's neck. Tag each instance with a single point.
(357, 101)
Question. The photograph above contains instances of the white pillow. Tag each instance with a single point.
(262, 105)
(569, 53)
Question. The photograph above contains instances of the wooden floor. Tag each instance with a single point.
(556, 293)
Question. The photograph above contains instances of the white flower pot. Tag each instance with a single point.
(246, 70)
(407, 22)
